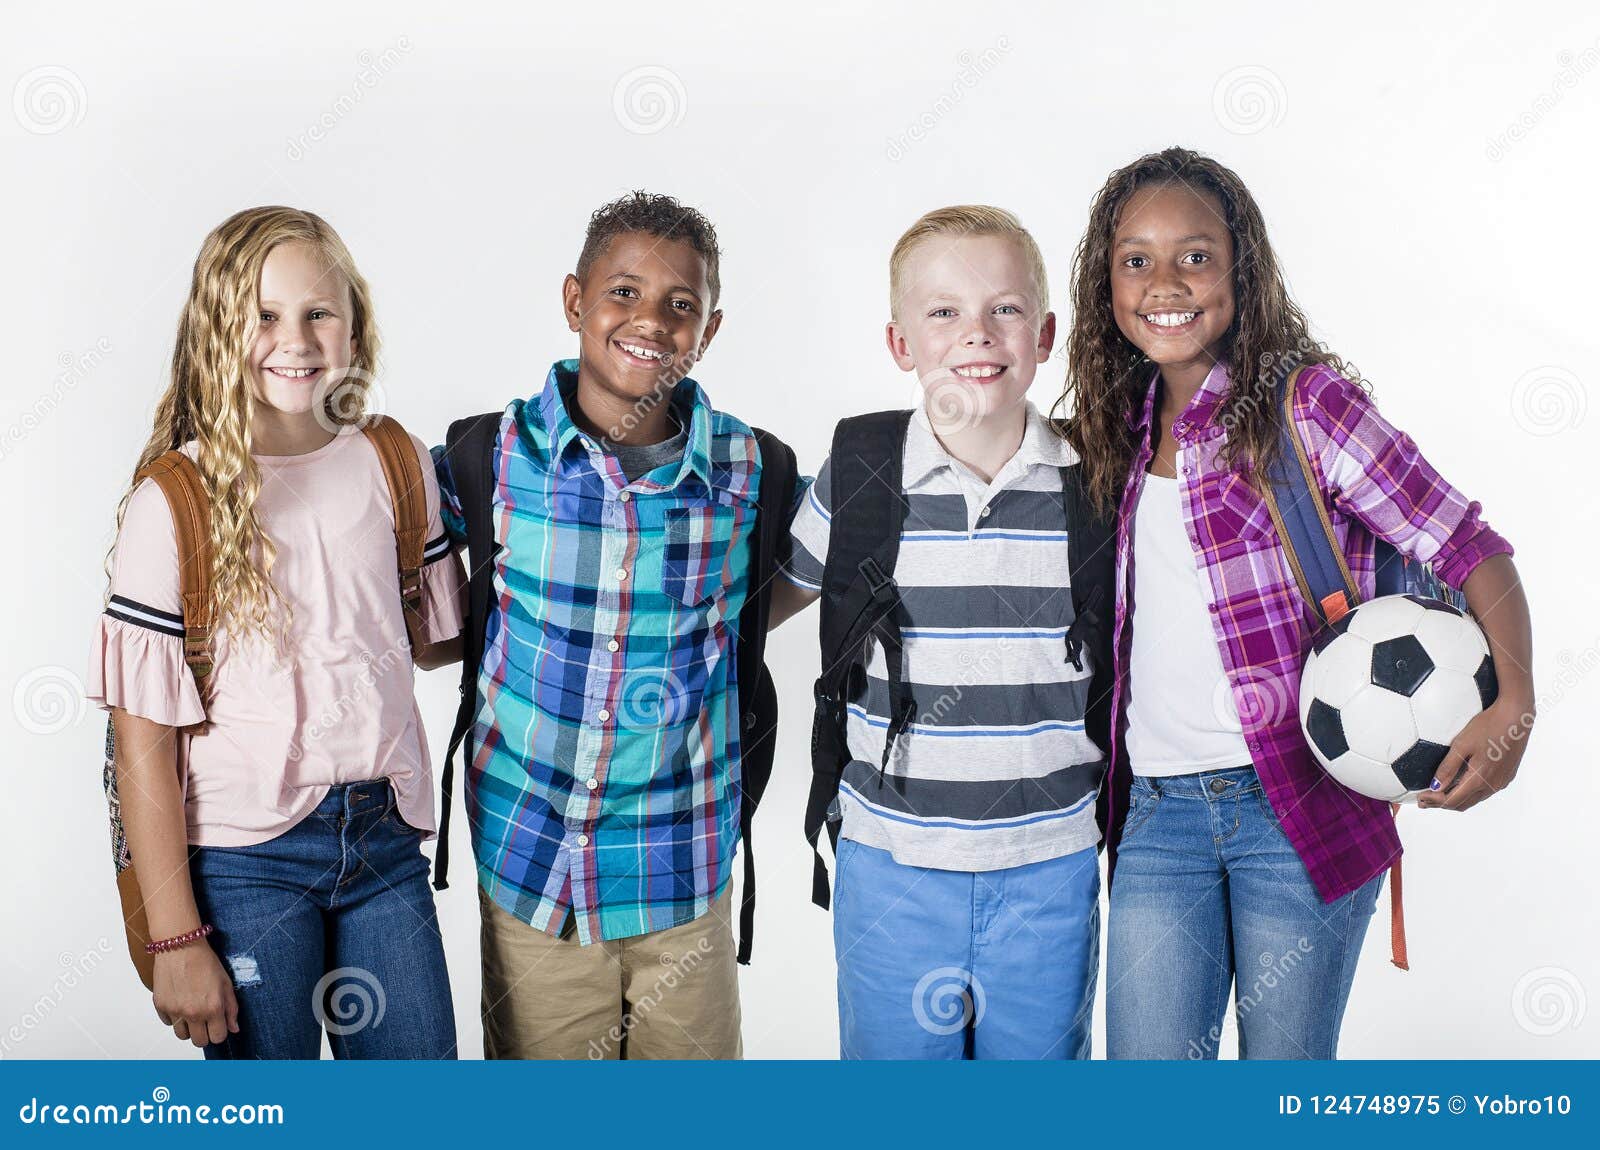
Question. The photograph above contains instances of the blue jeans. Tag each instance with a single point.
(330, 926)
(1209, 896)
(965, 964)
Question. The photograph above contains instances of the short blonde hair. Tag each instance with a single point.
(966, 220)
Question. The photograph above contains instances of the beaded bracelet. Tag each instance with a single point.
(163, 945)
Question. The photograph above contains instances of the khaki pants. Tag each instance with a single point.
(670, 994)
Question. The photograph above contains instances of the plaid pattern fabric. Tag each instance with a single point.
(605, 778)
(1380, 485)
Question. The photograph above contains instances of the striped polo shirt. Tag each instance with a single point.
(995, 769)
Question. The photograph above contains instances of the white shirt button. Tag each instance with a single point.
(612, 645)
(984, 514)
(625, 496)
(603, 715)
(622, 573)
(583, 840)
(591, 783)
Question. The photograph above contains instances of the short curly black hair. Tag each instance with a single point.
(654, 215)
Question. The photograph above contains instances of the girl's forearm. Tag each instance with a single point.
(1494, 592)
(153, 819)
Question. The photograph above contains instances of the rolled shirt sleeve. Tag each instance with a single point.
(1378, 475)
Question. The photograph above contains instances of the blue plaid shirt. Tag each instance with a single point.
(605, 776)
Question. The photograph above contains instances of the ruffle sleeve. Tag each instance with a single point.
(137, 659)
(142, 671)
(443, 579)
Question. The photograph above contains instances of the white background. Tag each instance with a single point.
(1427, 171)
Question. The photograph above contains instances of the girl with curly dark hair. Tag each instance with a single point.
(1240, 866)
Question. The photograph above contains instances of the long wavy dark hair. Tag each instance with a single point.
(1107, 374)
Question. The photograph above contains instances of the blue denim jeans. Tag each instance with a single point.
(330, 926)
(1209, 896)
(965, 964)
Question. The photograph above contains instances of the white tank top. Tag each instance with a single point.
(1182, 718)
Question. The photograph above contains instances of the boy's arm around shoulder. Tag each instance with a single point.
(797, 583)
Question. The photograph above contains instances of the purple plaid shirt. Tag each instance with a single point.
(1378, 483)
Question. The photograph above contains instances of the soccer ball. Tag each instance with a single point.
(1388, 687)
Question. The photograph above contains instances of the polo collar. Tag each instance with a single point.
(1040, 445)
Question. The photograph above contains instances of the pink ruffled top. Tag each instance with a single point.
(336, 705)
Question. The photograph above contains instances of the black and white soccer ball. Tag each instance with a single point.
(1388, 688)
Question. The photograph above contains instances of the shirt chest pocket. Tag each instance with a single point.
(700, 543)
(1238, 511)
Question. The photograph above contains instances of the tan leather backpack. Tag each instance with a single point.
(179, 479)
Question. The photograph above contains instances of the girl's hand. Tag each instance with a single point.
(194, 995)
(1483, 759)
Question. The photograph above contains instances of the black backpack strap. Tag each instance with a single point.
(860, 600)
(758, 696)
(469, 447)
(1092, 571)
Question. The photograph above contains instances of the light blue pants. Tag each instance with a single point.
(965, 964)
(1209, 896)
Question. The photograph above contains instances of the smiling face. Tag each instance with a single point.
(643, 312)
(1172, 276)
(305, 337)
(968, 323)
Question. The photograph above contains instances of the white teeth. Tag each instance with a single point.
(977, 372)
(1171, 318)
(641, 352)
(293, 372)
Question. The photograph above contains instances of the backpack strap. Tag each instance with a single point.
(179, 479)
(1091, 570)
(758, 697)
(1294, 500)
(403, 473)
(470, 447)
(860, 601)
(1299, 513)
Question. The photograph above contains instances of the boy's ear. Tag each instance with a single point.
(572, 302)
(713, 325)
(895, 338)
(1047, 336)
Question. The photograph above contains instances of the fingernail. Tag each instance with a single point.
(1433, 786)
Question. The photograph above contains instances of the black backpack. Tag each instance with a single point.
(470, 447)
(860, 602)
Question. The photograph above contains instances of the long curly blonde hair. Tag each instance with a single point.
(211, 399)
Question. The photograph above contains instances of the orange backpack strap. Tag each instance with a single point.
(403, 473)
(179, 479)
(1397, 912)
